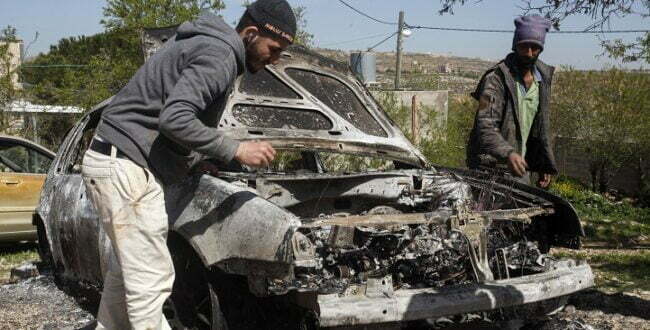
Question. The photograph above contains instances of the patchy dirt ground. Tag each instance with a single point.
(38, 303)
(609, 310)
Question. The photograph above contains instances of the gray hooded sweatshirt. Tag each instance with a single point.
(173, 103)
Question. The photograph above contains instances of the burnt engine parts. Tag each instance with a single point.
(451, 244)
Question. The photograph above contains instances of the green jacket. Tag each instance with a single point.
(496, 131)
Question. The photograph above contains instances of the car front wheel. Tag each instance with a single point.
(193, 303)
(44, 251)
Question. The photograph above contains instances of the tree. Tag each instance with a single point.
(600, 11)
(80, 71)
(629, 52)
(139, 14)
(89, 69)
(83, 71)
(442, 145)
(605, 118)
(449, 149)
(302, 36)
(8, 90)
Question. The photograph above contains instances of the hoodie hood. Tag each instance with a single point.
(211, 25)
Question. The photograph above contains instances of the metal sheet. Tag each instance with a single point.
(225, 222)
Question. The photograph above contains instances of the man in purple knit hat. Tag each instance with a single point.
(511, 127)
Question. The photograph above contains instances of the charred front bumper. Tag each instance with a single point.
(381, 304)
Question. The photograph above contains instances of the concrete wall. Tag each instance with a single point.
(574, 164)
(436, 102)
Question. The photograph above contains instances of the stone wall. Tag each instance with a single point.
(572, 163)
(427, 102)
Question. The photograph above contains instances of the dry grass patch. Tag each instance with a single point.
(14, 255)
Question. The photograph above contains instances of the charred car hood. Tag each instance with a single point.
(307, 101)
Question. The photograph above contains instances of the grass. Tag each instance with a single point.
(614, 224)
(615, 270)
(14, 255)
(618, 223)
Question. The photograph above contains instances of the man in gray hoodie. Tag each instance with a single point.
(148, 137)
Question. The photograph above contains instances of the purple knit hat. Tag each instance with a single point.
(530, 29)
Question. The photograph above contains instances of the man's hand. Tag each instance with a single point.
(255, 154)
(544, 180)
(517, 164)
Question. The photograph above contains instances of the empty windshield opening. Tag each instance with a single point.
(289, 161)
(338, 97)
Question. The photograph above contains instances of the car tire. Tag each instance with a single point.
(44, 251)
(195, 299)
(193, 303)
(245, 311)
(47, 266)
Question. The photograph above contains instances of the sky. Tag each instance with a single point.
(336, 26)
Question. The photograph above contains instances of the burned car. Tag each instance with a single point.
(318, 239)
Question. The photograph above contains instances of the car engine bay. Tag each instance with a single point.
(411, 228)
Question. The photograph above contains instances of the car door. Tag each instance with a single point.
(22, 172)
(72, 220)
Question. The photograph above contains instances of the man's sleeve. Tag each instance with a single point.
(205, 79)
(489, 116)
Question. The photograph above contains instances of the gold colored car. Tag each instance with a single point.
(23, 168)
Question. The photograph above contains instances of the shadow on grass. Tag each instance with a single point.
(619, 270)
(626, 234)
(623, 272)
(600, 245)
(13, 255)
(12, 248)
(615, 303)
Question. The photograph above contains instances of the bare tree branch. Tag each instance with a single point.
(600, 11)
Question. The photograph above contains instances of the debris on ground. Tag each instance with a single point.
(24, 271)
(37, 303)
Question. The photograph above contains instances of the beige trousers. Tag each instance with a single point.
(140, 273)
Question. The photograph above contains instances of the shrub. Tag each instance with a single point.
(447, 144)
(618, 222)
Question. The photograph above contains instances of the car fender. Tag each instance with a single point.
(230, 226)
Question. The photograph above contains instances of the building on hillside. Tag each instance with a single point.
(15, 58)
(445, 68)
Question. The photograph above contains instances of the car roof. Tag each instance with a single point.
(29, 143)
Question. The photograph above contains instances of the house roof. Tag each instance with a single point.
(22, 106)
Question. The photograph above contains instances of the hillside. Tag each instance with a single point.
(423, 70)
